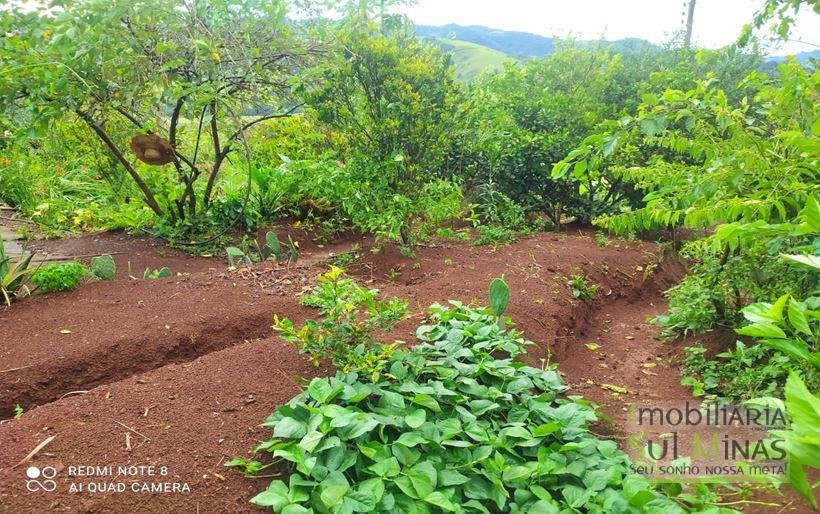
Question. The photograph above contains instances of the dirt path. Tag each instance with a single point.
(623, 350)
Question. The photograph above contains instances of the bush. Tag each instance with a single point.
(450, 427)
(734, 375)
(351, 314)
(59, 277)
(691, 307)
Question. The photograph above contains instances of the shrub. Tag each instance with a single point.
(734, 375)
(449, 428)
(351, 314)
(59, 277)
(691, 307)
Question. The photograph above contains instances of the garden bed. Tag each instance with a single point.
(191, 396)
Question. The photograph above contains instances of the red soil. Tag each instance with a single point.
(174, 378)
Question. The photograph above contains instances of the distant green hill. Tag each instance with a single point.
(471, 59)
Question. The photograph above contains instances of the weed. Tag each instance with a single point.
(601, 239)
(342, 260)
(407, 251)
(581, 287)
(18, 411)
(494, 235)
(451, 233)
(735, 375)
(691, 308)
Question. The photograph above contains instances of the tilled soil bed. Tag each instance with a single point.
(179, 373)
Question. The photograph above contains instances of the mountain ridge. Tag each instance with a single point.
(524, 45)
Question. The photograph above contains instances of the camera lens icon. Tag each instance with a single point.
(33, 473)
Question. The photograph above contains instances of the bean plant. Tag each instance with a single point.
(454, 424)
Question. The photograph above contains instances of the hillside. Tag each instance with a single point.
(523, 45)
(516, 44)
(471, 59)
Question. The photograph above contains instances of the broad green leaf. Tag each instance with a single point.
(311, 440)
(333, 489)
(812, 261)
(439, 500)
(289, 428)
(386, 468)
(798, 318)
(416, 418)
(767, 330)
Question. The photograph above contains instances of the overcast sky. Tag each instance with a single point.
(717, 22)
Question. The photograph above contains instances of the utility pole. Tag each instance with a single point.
(690, 15)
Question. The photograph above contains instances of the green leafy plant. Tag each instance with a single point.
(581, 287)
(601, 239)
(734, 375)
(251, 252)
(788, 326)
(345, 258)
(345, 334)
(691, 307)
(154, 274)
(103, 267)
(13, 275)
(59, 277)
(802, 437)
(18, 411)
(494, 235)
(449, 428)
(451, 233)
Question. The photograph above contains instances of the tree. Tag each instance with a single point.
(177, 73)
(532, 114)
(396, 100)
(745, 174)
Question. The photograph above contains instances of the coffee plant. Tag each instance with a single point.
(345, 334)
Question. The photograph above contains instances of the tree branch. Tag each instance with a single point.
(172, 133)
(147, 194)
(248, 125)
